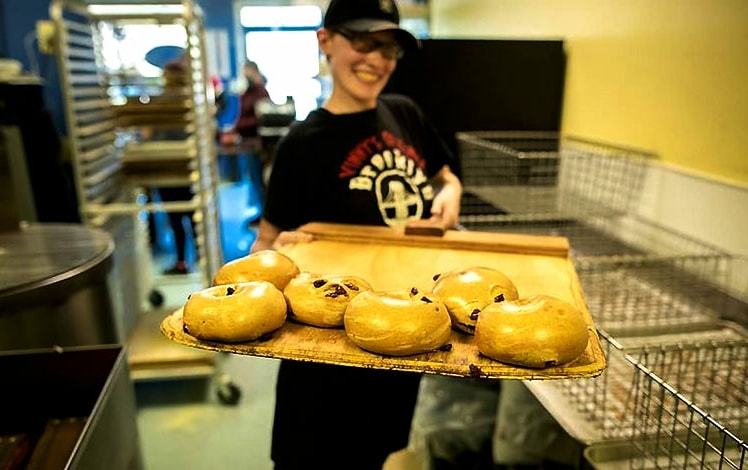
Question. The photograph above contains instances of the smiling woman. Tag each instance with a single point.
(362, 158)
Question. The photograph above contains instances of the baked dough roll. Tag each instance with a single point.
(466, 291)
(539, 331)
(319, 300)
(234, 312)
(398, 322)
(266, 265)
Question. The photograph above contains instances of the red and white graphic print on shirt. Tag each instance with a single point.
(393, 171)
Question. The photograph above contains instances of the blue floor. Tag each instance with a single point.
(240, 199)
(239, 205)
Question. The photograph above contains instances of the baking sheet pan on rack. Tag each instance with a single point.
(390, 259)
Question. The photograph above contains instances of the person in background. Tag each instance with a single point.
(175, 77)
(362, 158)
(246, 126)
(248, 121)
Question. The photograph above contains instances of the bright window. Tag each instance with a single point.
(302, 16)
(283, 42)
(294, 74)
(124, 48)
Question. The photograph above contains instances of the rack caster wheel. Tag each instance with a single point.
(156, 298)
(228, 392)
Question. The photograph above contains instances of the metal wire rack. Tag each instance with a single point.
(636, 274)
(513, 176)
(691, 407)
(688, 404)
(660, 299)
(597, 409)
(675, 289)
(609, 408)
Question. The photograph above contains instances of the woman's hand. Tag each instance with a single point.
(446, 204)
(291, 238)
(270, 237)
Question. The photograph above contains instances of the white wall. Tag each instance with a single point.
(704, 208)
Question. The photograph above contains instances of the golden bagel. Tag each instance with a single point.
(539, 331)
(398, 322)
(234, 312)
(266, 265)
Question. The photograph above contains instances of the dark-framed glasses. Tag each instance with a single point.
(366, 43)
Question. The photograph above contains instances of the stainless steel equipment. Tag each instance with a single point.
(75, 407)
(54, 287)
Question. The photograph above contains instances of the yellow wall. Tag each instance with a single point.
(670, 76)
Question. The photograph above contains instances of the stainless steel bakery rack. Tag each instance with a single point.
(105, 160)
(115, 171)
(103, 153)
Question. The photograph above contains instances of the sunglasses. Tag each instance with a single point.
(365, 43)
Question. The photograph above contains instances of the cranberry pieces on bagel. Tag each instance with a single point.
(321, 301)
(466, 292)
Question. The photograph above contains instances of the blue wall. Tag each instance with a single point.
(19, 19)
(219, 14)
(3, 40)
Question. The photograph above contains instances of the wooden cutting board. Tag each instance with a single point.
(389, 259)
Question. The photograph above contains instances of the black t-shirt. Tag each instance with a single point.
(368, 168)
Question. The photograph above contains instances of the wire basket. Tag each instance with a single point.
(609, 407)
(540, 175)
(636, 274)
(686, 407)
(640, 277)
(691, 407)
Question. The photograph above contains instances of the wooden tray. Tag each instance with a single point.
(389, 259)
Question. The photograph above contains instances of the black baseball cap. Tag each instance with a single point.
(368, 16)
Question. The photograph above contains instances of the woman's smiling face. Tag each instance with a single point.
(358, 77)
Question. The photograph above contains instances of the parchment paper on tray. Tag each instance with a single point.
(389, 259)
